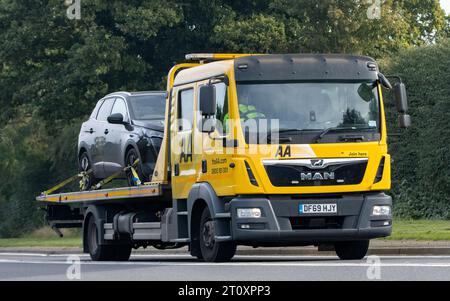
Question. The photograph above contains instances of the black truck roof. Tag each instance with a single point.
(305, 67)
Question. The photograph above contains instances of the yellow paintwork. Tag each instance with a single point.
(146, 190)
(228, 181)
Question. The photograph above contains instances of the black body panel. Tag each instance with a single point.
(305, 67)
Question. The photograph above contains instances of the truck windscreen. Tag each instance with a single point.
(304, 111)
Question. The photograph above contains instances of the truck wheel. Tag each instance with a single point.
(108, 252)
(97, 252)
(213, 251)
(352, 250)
(122, 252)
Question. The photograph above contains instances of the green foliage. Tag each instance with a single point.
(421, 154)
(261, 34)
(53, 70)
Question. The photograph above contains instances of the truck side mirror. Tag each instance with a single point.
(401, 102)
(207, 107)
(401, 98)
(207, 100)
(404, 121)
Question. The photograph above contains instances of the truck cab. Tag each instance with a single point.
(292, 147)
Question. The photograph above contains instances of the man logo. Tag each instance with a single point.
(317, 163)
(318, 176)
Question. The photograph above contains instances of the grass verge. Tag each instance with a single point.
(430, 230)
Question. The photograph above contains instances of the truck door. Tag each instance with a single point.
(213, 161)
(183, 170)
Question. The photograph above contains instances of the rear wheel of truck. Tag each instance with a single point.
(213, 251)
(104, 252)
(352, 250)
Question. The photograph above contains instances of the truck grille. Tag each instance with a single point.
(311, 223)
(332, 172)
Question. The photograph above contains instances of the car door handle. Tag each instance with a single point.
(91, 130)
(106, 132)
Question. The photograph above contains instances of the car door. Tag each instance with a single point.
(116, 138)
(100, 137)
(88, 132)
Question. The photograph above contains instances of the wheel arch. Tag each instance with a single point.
(202, 195)
(129, 145)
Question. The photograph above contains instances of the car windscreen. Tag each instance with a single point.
(148, 107)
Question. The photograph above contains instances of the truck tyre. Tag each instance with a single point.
(211, 250)
(122, 252)
(105, 252)
(97, 252)
(352, 250)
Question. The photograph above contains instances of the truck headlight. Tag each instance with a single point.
(249, 213)
(381, 210)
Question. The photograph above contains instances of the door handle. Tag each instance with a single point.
(106, 132)
(91, 130)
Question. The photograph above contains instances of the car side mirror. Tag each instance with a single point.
(116, 118)
(207, 100)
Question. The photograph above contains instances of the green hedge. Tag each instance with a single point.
(421, 154)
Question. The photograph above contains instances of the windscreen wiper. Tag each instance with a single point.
(338, 129)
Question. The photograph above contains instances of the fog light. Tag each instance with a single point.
(249, 213)
(381, 210)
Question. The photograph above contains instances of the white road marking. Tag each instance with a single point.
(261, 257)
(234, 263)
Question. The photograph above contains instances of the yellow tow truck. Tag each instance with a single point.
(258, 150)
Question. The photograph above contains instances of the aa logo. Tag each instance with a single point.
(284, 153)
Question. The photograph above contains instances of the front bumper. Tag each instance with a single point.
(282, 224)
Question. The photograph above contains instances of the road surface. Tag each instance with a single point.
(22, 266)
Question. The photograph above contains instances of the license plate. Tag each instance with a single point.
(317, 208)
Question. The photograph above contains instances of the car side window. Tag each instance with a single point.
(105, 109)
(186, 109)
(120, 107)
(95, 110)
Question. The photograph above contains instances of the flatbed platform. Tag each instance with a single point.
(141, 191)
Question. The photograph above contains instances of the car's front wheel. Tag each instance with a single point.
(88, 179)
(130, 158)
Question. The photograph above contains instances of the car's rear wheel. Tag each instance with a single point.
(130, 158)
(85, 165)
